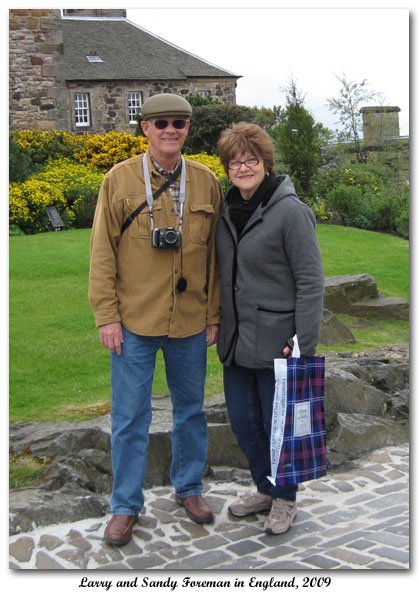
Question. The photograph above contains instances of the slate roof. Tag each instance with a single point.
(128, 52)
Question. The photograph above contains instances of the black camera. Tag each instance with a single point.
(166, 238)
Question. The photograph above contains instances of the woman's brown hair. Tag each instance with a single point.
(246, 138)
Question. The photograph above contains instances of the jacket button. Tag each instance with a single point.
(237, 287)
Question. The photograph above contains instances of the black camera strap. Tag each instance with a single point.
(155, 196)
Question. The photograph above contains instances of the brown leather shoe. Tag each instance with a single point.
(119, 530)
(196, 508)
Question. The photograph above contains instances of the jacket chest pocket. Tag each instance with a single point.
(200, 222)
(141, 225)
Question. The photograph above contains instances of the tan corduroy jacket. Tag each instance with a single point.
(135, 283)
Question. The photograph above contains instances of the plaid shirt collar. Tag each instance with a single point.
(173, 188)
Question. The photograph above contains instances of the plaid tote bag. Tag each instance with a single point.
(298, 435)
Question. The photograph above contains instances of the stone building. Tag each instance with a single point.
(90, 70)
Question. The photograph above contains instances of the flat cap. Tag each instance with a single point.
(166, 104)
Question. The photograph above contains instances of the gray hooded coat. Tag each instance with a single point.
(272, 281)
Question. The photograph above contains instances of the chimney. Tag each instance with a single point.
(95, 12)
(380, 123)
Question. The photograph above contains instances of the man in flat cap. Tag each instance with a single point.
(153, 285)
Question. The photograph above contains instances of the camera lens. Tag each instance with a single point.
(170, 237)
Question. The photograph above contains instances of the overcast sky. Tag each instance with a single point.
(268, 46)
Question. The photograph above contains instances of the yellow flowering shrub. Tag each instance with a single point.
(80, 185)
(28, 201)
(210, 161)
(73, 179)
(104, 151)
(51, 143)
(73, 168)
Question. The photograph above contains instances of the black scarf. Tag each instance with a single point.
(240, 210)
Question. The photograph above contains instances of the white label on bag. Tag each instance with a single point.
(278, 416)
(302, 419)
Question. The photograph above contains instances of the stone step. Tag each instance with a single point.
(342, 290)
(357, 295)
(382, 307)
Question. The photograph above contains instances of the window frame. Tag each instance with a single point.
(87, 107)
(131, 107)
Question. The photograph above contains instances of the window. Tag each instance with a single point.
(134, 103)
(94, 58)
(82, 109)
(204, 93)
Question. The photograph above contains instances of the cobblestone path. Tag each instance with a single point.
(356, 518)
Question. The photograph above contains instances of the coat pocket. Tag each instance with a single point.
(200, 222)
(273, 330)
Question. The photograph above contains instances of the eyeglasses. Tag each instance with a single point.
(162, 124)
(250, 162)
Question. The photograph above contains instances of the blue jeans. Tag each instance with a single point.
(249, 398)
(132, 376)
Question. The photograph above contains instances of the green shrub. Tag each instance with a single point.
(21, 165)
(362, 196)
(345, 201)
(402, 212)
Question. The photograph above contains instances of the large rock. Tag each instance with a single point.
(366, 402)
(33, 507)
(356, 434)
(344, 392)
(333, 330)
(358, 295)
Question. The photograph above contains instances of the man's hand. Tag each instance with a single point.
(212, 332)
(111, 337)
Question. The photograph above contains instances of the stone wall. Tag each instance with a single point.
(35, 88)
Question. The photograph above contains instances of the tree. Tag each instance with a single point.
(347, 107)
(299, 140)
(211, 116)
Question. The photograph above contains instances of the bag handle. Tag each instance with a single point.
(296, 349)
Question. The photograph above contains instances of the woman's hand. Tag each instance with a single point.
(287, 352)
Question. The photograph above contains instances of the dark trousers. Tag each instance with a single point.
(249, 397)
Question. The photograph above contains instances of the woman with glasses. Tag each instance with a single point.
(272, 287)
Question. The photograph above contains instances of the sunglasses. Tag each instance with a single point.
(162, 124)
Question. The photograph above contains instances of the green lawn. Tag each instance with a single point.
(351, 251)
(58, 368)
